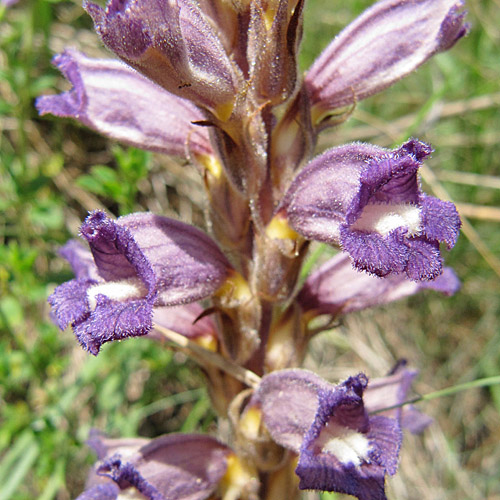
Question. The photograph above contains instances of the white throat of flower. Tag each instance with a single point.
(130, 494)
(132, 288)
(384, 218)
(346, 445)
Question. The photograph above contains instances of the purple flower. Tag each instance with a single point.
(368, 200)
(118, 102)
(341, 448)
(174, 466)
(139, 261)
(392, 390)
(336, 288)
(174, 44)
(387, 42)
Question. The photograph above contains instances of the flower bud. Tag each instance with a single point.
(173, 44)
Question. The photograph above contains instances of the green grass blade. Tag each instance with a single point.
(29, 453)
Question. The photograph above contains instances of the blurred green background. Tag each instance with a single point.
(53, 171)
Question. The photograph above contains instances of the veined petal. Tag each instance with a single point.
(441, 220)
(116, 253)
(187, 263)
(337, 288)
(377, 254)
(101, 492)
(322, 193)
(180, 466)
(80, 259)
(186, 320)
(288, 399)
(424, 262)
(387, 42)
(173, 44)
(388, 391)
(392, 390)
(414, 420)
(118, 102)
(69, 302)
(176, 262)
(112, 320)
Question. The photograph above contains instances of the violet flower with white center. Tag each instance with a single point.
(174, 466)
(120, 103)
(368, 200)
(341, 448)
(385, 43)
(172, 43)
(336, 288)
(140, 261)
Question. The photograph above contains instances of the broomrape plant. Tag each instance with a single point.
(217, 82)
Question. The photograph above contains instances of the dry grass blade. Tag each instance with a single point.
(478, 212)
(469, 231)
(469, 179)
(205, 356)
(66, 184)
(376, 127)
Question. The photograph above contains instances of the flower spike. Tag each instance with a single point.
(217, 82)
